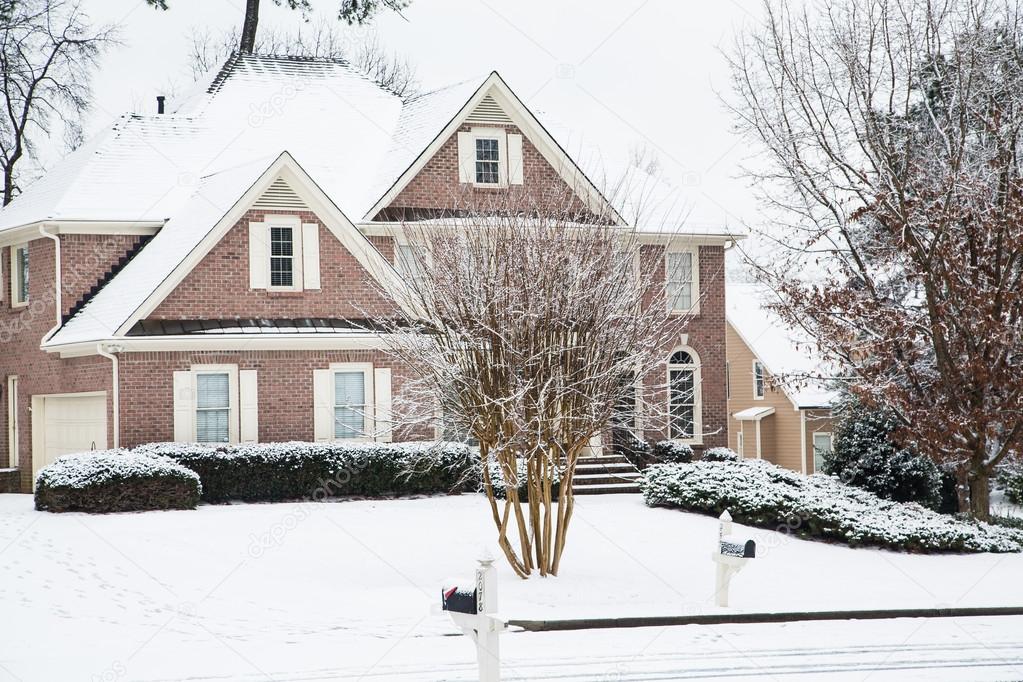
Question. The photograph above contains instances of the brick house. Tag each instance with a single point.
(779, 408)
(196, 275)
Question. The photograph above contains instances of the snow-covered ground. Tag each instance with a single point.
(344, 590)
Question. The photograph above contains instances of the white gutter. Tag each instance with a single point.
(57, 279)
(108, 352)
(230, 342)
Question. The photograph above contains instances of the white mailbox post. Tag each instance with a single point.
(730, 556)
(472, 609)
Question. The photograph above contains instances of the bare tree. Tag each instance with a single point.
(526, 321)
(890, 132)
(48, 51)
(321, 40)
(350, 11)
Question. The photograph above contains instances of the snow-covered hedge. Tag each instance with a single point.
(720, 454)
(1010, 477)
(115, 481)
(500, 487)
(761, 494)
(672, 451)
(289, 471)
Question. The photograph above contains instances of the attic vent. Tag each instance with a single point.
(488, 111)
(279, 195)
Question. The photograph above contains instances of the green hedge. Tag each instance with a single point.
(290, 471)
(115, 481)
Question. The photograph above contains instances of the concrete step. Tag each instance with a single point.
(610, 459)
(606, 489)
(589, 479)
(596, 468)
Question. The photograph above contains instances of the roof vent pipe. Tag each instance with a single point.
(159, 103)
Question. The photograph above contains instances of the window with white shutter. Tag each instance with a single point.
(349, 405)
(213, 408)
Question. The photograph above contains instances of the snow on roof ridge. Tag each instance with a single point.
(479, 81)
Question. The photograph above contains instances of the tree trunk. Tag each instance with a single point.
(980, 496)
(248, 41)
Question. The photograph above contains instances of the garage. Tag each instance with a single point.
(63, 424)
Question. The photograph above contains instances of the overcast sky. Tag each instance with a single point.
(610, 75)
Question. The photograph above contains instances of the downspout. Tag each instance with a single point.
(802, 438)
(109, 352)
(57, 280)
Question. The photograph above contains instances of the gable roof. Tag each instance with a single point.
(214, 207)
(788, 354)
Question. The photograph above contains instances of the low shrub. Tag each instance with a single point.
(720, 454)
(672, 452)
(865, 455)
(761, 494)
(115, 481)
(288, 471)
(501, 487)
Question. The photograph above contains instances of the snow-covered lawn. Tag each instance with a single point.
(344, 590)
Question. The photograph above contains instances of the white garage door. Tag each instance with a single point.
(69, 424)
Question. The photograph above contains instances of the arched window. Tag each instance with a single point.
(684, 422)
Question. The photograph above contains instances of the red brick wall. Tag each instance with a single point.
(285, 380)
(39, 373)
(436, 189)
(218, 287)
(85, 259)
(706, 333)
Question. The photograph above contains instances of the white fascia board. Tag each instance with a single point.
(230, 343)
(30, 231)
(668, 238)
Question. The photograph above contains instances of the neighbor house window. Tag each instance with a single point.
(282, 257)
(408, 263)
(350, 404)
(488, 161)
(19, 275)
(213, 407)
(679, 280)
(758, 380)
(821, 448)
(683, 396)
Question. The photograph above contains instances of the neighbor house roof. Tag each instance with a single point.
(788, 354)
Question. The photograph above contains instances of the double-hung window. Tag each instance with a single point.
(488, 161)
(19, 275)
(282, 257)
(680, 281)
(407, 258)
(213, 407)
(758, 380)
(350, 404)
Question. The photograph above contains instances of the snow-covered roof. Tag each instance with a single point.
(788, 354)
(754, 414)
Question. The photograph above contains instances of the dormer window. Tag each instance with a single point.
(488, 161)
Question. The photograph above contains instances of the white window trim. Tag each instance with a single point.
(15, 280)
(13, 456)
(697, 438)
(501, 135)
(694, 286)
(763, 380)
(233, 415)
(369, 422)
(295, 223)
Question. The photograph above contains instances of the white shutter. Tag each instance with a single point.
(323, 405)
(248, 399)
(382, 403)
(514, 159)
(466, 157)
(258, 264)
(310, 256)
(184, 407)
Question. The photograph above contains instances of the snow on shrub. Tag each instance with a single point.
(115, 481)
(761, 494)
(672, 451)
(500, 487)
(288, 471)
(1010, 477)
(720, 454)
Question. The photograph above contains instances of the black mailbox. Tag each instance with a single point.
(459, 600)
(743, 550)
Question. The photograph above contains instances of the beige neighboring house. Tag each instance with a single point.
(771, 414)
